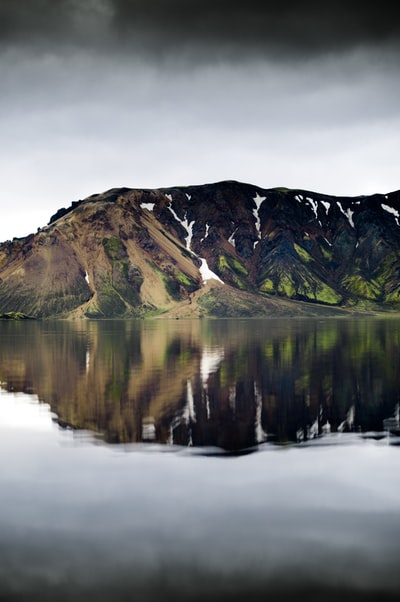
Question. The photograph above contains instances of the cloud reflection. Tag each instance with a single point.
(23, 411)
(97, 524)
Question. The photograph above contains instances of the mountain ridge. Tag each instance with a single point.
(225, 248)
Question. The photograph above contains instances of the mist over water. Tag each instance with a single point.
(123, 471)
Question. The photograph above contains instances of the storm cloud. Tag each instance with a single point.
(248, 26)
(105, 93)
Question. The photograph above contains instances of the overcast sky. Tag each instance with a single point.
(97, 94)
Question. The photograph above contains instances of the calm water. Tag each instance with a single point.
(200, 460)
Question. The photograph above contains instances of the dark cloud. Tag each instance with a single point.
(54, 23)
(25, 19)
(204, 26)
(293, 25)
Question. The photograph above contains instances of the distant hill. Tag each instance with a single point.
(224, 249)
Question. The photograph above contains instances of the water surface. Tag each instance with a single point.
(227, 383)
(193, 460)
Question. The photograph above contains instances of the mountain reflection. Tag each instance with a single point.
(225, 383)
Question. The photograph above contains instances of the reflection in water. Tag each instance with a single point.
(90, 523)
(24, 412)
(231, 384)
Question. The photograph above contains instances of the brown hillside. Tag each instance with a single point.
(226, 249)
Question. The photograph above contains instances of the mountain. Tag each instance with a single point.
(224, 249)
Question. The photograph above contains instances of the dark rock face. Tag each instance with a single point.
(294, 243)
(113, 251)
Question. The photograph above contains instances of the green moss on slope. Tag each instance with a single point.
(109, 302)
(302, 253)
(234, 272)
(114, 248)
(358, 286)
(300, 285)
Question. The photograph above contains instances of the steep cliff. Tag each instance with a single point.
(217, 249)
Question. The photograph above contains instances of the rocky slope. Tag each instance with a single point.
(223, 249)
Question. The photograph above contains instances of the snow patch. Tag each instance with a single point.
(149, 206)
(188, 227)
(206, 273)
(231, 239)
(348, 213)
(326, 205)
(169, 197)
(350, 217)
(314, 205)
(392, 211)
(299, 197)
(206, 233)
(189, 196)
(87, 277)
(178, 219)
(258, 200)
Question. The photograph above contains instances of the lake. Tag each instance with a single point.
(200, 459)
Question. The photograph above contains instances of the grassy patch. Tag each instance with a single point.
(114, 248)
(359, 287)
(267, 286)
(175, 283)
(233, 271)
(15, 315)
(171, 285)
(226, 262)
(109, 302)
(93, 312)
(286, 286)
(300, 286)
(393, 296)
(302, 253)
(326, 294)
(326, 253)
(188, 283)
(183, 279)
